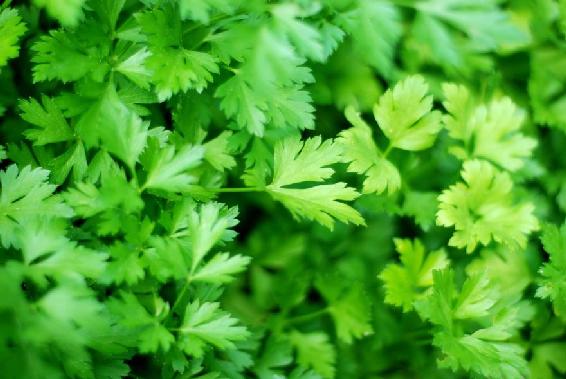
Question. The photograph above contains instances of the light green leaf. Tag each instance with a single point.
(217, 152)
(365, 158)
(239, 101)
(553, 285)
(375, 28)
(306, 38)
(322, 203)
(167, 170)
(221, 268)
(52, 125)
(208, 225)
(11, 30)
(351, 315)
(177, 71)
(482, 209)
(134, 68)
(201, 10)
(67, 12)
(405, 115)
(123, 133)
(407, 282)
(74, 159)
(26, 194)
(205, 324)
(57, 56)
(308, 161)
(493, 130)
(298, 162)
(314, 351)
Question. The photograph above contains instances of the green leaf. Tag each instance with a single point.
(239, 101)
(26, 194)
(174, 68)
(11, 30)
(296, 161)
(314, 351)
(351, 315)
(407, 282)
(486, 26)
(405, 117)
(113, 193)
(52, 125)
(451, 33)
(365, 158)
(348, 306)
(204, 324)
(134, 68)
(547, 86)
(492, 129)
(306, 38)
(217, 152)
(274, 357)
(201, 10)
(47, 252)
(482, 209)
(486, 358)
(57, 56)
(322, 203)
(208, 225)
(168, 170)
(125, 265)
(547, 358)
(291, 107)
(422, 206)
(124, 133)
(165, 259)
(488, 350)
(74, 159)
(67, 12)
(150, 334)
(299, 162)
(221, 268)
(375, 28)
(553, 285)
(177, 71)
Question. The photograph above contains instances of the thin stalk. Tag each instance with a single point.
(307, 317)
(237, 189)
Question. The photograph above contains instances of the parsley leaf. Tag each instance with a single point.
(405, 117)
(375, 29)
(205, 324)
(11, 30)
(552, 285)
(485, 350)
(488, 131)
(314, 351)
(25, 194)
(168, 170)
(299, 162)
(49, 119)
(407, 282)
(151, 335)
(481, 209)
(365, 158)
(67, 12)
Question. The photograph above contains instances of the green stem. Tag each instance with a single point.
(179, 298)
(388, 150)
(238, 189)
(307, 317)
